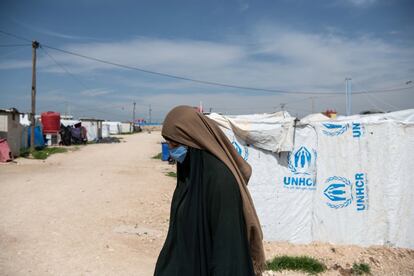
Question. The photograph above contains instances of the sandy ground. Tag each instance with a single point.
(103, 210)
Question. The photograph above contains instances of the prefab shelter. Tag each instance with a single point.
(343, 181)
(127, 127)
(93, 128)
(11, 129)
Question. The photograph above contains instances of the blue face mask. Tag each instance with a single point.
(178, 153)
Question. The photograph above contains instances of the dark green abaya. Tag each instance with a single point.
(207, 234)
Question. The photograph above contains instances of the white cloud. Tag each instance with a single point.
(360, 3)
(15, 64)
(95, 92)
(269, 57)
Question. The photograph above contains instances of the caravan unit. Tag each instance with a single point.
(11, 129)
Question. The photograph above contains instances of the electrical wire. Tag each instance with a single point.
(218, 83)
(16, 36)
(187, 78)
(213, 83)
(378, 99)
(65, 70)
(14, 45)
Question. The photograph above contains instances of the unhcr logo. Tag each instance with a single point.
(302, 164)
(339, 129)
(334, 129)
(242, 150)
(340, 192)
(302, 161)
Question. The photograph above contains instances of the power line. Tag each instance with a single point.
(13, 45)
(187, 78)
(213, 83)
(218, 83)
(16, 36)
(65, 69)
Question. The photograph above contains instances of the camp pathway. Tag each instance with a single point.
(98, 210)
(103, 209)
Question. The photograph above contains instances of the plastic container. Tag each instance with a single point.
(165, 153)
(50, 122)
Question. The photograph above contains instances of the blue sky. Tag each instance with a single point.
(292, 45)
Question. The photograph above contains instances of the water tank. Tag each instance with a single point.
(50, 122)
(165, 153)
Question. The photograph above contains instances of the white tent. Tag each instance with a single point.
(105, 130)
(93, 128)
(69, 122)
(114, 127)
(344, 181)
(126, 127)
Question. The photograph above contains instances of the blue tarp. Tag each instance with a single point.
(39, 141)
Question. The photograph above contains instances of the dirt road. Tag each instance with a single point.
(100, 210)
(103, 210)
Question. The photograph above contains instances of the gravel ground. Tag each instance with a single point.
(103, 210)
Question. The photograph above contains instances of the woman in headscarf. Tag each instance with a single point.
(214, 229)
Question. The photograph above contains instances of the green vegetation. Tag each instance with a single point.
(158, 156)
(302, 263)
(43, 153)
(172, 174)
(360, 269)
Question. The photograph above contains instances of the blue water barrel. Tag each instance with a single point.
(165, 151)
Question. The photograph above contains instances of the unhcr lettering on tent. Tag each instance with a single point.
(337, 129)
(302, 164)
(242, 150)
(339, 192)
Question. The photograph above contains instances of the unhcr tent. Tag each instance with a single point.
(105, 130)
(93, 128)
(114, 127)
(344, 181)
(126, 127)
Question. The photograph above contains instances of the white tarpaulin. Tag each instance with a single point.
(345, 181)
(91, 130)
(126, 128)
(114, 127)
(105, 130)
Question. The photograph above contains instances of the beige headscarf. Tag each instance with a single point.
(186, 126)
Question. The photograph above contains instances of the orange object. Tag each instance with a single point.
(50, 122)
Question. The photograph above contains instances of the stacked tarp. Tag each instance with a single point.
(345, 181)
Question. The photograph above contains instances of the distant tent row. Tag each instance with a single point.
(15, 130)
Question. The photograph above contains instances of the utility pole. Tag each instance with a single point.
(66, 109)
(133, 114)
(313, 104)
(348, 92)
(35, 45)
(149, 112)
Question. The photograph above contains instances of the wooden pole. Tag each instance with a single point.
(35, 45)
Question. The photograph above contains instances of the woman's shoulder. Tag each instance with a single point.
(212, 163)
